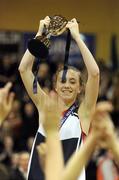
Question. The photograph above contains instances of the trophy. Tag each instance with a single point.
(39, 47)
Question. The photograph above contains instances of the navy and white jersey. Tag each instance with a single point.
(71, 137)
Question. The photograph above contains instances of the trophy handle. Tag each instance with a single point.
(39, 47)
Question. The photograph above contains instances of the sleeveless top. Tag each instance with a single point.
(71, 138)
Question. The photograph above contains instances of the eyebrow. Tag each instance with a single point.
(70, 79)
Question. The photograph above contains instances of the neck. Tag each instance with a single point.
(64, 105)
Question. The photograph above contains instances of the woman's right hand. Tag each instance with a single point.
(50, 114)
(43, 22)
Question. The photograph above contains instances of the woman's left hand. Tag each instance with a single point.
(73, 27)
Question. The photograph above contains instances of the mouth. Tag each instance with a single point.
(66, 91)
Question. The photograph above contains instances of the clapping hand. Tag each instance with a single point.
(6, 101)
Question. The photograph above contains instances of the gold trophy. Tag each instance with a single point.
(39, 47)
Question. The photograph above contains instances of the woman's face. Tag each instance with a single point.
(69, 90)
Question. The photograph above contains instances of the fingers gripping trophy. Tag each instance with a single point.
(39, 47)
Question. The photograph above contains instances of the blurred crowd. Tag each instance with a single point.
(18, 130)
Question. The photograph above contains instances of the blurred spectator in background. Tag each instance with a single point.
(105, 80)
(115, 99)
(8, 70)
(28, 127)
(14, 160)
(29, 115)
(44, 75)
(106, 167)
(6, 154)
(12, 127)
(4, 175)
(19, 173)
(30, 143)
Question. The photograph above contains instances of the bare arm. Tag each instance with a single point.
(54, 156)
(92, 85)
(111, 140)
(25, 69)
(6, 101)
(93, 75)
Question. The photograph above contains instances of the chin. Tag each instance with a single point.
(68, 100)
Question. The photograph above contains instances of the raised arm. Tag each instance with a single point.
(6, 101)
(25, 69)
(111, 140)
(54, 156)
(92, 85)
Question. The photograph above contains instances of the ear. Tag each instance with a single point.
(79, 91)
(55, 88)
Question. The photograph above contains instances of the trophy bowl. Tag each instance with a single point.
(39, 47)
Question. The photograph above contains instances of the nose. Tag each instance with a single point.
(66, 84)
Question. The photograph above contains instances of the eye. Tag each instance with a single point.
(61, 81)
(72, 81)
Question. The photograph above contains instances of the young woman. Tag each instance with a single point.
(73, 124)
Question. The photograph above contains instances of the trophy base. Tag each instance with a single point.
(38, 48)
